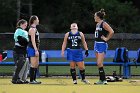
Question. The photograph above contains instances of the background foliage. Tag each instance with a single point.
(57, 15)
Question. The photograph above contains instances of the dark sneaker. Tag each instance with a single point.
(14, 82)
(18, 82)
(26, 82)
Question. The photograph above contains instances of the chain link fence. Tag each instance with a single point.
(53, 41)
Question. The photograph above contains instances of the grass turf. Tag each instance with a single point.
(65, 85)
(64, 70)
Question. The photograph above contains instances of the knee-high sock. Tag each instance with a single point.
(31, 74)
(35, 71)
(82, 72)
(73, 73)
(102, 74)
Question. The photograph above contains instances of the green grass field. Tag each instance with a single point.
(64, 70)
(65, 85)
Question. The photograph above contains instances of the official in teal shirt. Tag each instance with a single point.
(19, 52)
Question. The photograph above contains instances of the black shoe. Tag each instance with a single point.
(14, 82)
(18, 82)
(35, 82)
(26, 82)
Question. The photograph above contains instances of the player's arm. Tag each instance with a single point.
(109, 29)
(84, 43)
(32, 33)
(64, 44)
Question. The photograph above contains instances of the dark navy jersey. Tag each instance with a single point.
(37, 39)
(100, 31)
(74, 40)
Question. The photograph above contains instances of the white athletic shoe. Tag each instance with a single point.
(35, 82)
(74, 81)
(105, 82)
(101, 82)
(85, 81)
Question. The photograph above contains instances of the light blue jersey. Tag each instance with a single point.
(20, 32)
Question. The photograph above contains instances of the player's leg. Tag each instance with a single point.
(78, 58)
(36, 68)
(33, 66)
(100, 59)
(72, 65)
(73, 71)
(81, 67)
(33, 70)
(101, 49)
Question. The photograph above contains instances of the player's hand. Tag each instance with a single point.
(86, 53)
(36, 53)
(104, 38)
(62, 53)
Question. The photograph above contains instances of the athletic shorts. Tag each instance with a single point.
(30, 52)
(100, 47)
(75, 55)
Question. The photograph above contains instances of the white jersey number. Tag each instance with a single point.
(74, 42)
(96, 34)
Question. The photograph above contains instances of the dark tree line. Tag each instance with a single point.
(57, 15)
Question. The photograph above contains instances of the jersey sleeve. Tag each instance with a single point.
(18, 32)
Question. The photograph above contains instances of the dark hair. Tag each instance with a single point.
(101, 14)
(32, 19)
(22, 21)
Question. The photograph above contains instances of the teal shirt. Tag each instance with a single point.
(20, 32)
